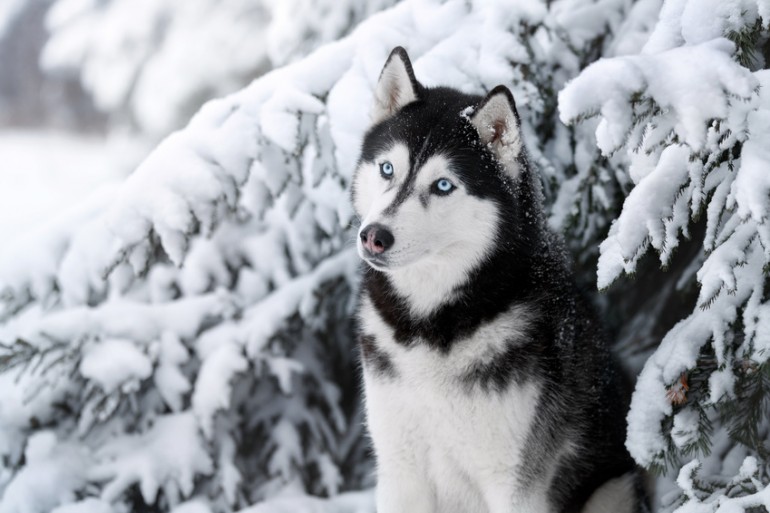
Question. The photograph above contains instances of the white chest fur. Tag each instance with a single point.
(441, 445)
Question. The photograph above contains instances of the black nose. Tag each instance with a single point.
(376, 238)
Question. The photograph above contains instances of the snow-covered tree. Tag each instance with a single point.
(183, 341)
(688, 115)
(152, 63)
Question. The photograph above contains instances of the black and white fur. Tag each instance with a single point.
(489, 386)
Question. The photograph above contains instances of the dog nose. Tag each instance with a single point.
(376, 238)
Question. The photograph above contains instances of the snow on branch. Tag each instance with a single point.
(674, 92)
(151, 63)
(690, 113)
(360, 502)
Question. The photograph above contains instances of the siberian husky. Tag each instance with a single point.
(489, 387)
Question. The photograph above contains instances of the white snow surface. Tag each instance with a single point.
(43, 174)
(89, 505)
(170, 454)
(359, 502)
(54, 472)
(114, 362)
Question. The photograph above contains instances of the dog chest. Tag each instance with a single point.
(455, 441)
(428, 421)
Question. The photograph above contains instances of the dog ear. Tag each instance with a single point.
(497, 123)
(396, 88)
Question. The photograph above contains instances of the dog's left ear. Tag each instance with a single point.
(497, 123)
(396, 88)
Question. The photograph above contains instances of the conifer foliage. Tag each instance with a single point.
(690, 115)
(183, 341)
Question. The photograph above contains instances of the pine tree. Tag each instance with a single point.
(183, 342)
(689, 114)
(151, 65)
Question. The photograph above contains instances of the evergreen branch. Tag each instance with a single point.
(16, 354)
(747, 41)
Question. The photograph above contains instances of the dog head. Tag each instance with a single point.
(437, 174)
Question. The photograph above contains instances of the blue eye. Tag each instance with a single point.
(386, 169)
(443, 186)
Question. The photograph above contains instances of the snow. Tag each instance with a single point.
(360, 502)
(157, 60)
(89, 505)
(56, 467)
(193, 316)
(194, 506)
(641, 221)
(685, 430)
(45, 173)
(749, 468)
(687, 83)
(762, 334)
(170, 454)
(635, 30)
(721, 384)
(113, 363)
(718, 503)
(171, 382)
(685, 22)
(212, 388)
(752, 185)
(119, 318)
(265, 317)
(223, 360)
(678, 352)
(588, 19)
(669, 109)
(280, 123)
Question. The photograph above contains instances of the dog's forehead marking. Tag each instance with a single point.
(421, 175)
(418, 159)
(435, 167)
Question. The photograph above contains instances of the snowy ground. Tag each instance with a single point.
(42, 173)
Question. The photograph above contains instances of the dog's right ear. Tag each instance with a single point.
(498, 125)
(396, 88)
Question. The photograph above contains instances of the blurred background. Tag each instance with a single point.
(89, 87)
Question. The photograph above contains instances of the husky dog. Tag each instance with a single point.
(489, 387)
